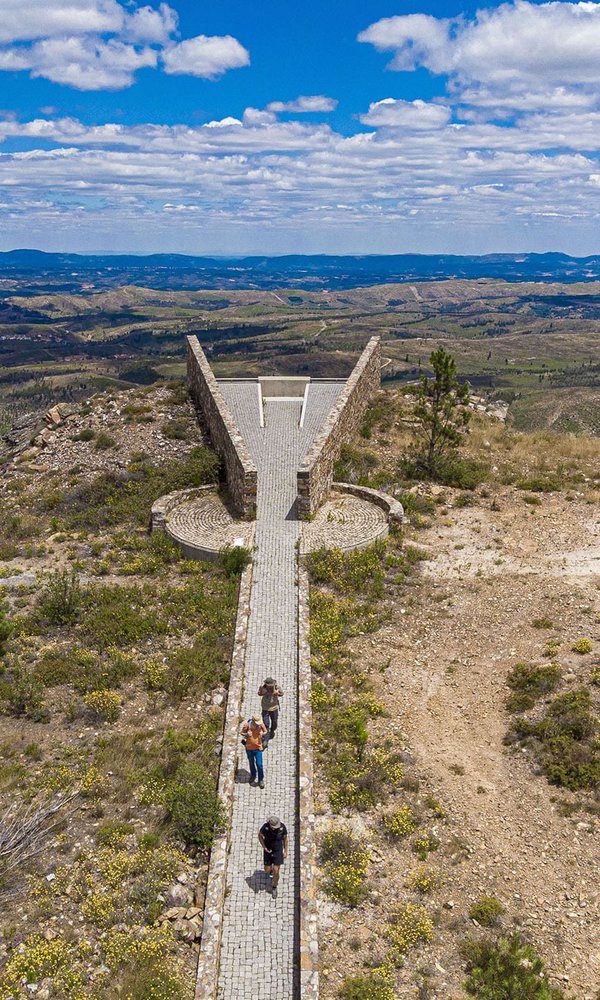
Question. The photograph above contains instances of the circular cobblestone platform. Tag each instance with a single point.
(203, 526)
(344, 522)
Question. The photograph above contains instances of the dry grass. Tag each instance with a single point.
(570, 457)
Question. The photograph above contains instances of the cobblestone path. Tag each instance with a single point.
(259, 935)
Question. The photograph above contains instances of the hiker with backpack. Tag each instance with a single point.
(273, 837)
(254, 734)
(270, 693)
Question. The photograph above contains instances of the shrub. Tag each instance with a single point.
(487, 911)
(399, 823)
(38, 959)
(529, 682)
(193, 805)
(113, 834)
(449, 470)
(104, 441)
(425, 880)
(409, 926)
(542, 623)
(355, 465)
(154, 981)
(564, 741)
(539, 484)
(361, 783)
(86, 434)
(5, 632)
(24, 695)
(506, 968)
(345, 866)
(582, 646)
(60, 600)
(375, 985)
(128, 498)
(234, 559)
(361, 572)
(197, 669)
(121, 616)
(176, 429)
(104, 706)
(595, 674)
(424, 843)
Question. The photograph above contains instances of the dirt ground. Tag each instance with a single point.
(491, 570)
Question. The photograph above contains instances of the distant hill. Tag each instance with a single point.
(293, 270)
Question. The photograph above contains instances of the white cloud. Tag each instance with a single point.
(87, 64)
(99, 44)
(205, 56)
(303, 105)
(44, 19)
(411, 115)
(153, 26)
(504, 56)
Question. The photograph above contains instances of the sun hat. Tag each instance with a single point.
(270, 680)
(274, 822)
(257, 719)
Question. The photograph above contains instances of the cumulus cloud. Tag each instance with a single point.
(411, 115)
(99, 44)
(503, 54)
(205, 56)
(41, 19)
(303, 105)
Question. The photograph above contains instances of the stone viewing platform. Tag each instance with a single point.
(278, 439)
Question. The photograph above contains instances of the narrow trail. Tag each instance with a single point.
(259, 944)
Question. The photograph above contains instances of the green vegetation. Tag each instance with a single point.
(528, 682)
(399, 823)
(582, 646)
(409, 926)
(119, 500)
(234, 559)
(193, 805)
(506, 968)
(375, 985)
(442, 413)
(564, 741)
(104, 441)
(487, 911)
(345, 862)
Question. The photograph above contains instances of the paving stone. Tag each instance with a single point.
(264, 927)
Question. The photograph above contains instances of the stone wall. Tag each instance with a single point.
(240, 471)
(309, 930)
(315, 474)
(210, 944)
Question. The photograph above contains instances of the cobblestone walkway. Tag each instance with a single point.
(259, 935)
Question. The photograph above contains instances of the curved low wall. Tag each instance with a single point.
(202, 529)
(392, 507)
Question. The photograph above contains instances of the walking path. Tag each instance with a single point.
(260, 934)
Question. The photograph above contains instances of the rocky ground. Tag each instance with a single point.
(490, 571)
(112, 872)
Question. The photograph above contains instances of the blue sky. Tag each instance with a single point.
(263, 127)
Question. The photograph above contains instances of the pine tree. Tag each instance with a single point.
(442, 411)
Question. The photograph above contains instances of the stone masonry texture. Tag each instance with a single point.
(315, 472)
(240, 471)
(260, 936)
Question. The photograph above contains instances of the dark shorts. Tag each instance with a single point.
(276, 858)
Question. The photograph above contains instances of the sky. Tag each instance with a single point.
(263, 127)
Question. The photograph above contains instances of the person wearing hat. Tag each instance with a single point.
(253, 732)
(273, 837)
(270, 693)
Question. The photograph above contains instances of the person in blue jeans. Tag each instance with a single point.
(253, 732)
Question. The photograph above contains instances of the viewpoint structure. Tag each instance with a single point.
(278, 439)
